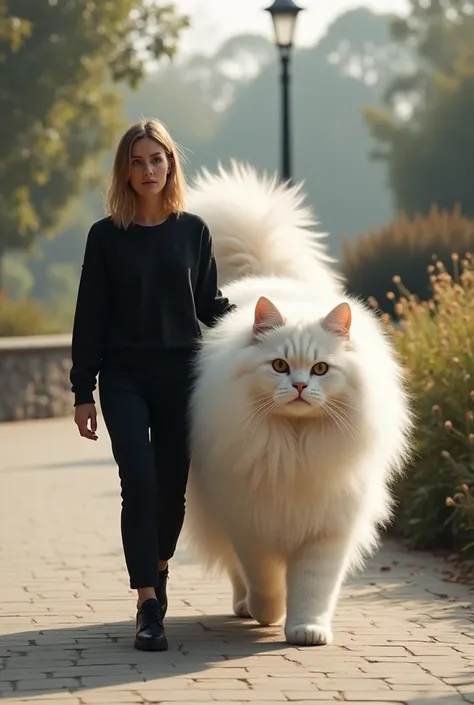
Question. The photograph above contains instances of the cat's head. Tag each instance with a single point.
(301, 370)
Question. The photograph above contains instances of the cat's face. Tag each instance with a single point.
(302, 371)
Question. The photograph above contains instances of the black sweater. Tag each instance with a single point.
(142, 291)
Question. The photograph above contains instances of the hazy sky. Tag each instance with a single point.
(216, 20)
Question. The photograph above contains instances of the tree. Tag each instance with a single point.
(331, 144)
(425, 133)
(221, 76)
(12, 28)
(58, 61)
(360, 45)
(330, 137)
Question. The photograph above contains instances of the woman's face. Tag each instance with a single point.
(149, 168)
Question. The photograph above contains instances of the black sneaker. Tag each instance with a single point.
(150, 634)
(160, 590)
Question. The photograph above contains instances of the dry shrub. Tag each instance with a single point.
(435, 339)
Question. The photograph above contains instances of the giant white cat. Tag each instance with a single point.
(299, 416)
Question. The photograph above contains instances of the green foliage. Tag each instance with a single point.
(434, 28)
(13, 29)
(19, 280)
(59, 112)
(405, 248)
(435, 342)
(65, 248)
(24, 317)
(429, 153)
(61, 293)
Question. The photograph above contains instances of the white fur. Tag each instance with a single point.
(256, 224)
(284, 498)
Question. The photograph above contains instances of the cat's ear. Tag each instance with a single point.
(267, 316)
(339, 320)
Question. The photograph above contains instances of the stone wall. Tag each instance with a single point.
(34, 377)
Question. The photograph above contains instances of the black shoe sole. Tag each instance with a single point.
(158, 645)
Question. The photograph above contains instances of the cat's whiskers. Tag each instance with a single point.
(344, 414)
(259, 412)
(345, 426)
(334, 421)
(254, 408)
(343, 403)
(341, 419)
(259, 403)
(340, 405)
(259, 397)
(256, 421)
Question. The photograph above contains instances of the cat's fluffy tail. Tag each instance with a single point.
(259, 227)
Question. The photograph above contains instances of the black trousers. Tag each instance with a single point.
(145, 407)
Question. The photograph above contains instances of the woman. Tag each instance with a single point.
(148, 276)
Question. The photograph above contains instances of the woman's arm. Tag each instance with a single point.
(90, 321)
(210, 303)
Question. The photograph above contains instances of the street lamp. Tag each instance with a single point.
(284, 15)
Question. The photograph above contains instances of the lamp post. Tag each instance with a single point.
(284, 15)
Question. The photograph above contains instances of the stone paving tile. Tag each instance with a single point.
(403, 635)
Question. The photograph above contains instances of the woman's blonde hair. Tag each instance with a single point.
(121, 199)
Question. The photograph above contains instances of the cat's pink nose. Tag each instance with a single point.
(300, 386)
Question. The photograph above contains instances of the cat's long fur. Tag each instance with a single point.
(288, 500)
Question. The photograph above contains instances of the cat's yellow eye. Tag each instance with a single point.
(320, 369)
(280, 366)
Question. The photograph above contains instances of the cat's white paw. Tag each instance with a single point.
(241, 609)
(308, 634)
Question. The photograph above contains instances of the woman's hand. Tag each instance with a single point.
(82, 415)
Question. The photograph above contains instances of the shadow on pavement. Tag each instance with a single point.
(50, 661)
(77, 658)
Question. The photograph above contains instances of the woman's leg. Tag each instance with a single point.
(169, 435)
(127, 418)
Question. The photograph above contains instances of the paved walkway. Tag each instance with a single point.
(403, 635)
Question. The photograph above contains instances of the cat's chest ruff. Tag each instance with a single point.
(298, 450)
